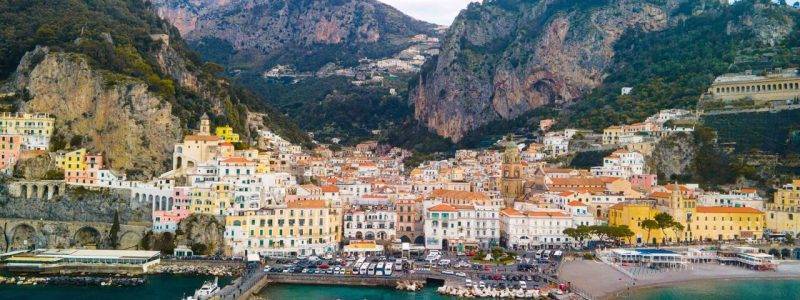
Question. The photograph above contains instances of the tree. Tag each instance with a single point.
(789, 239)
(664, 221)
(785, 252)
(113, 235)
(650, 225)
(579, 233)
(678, 228)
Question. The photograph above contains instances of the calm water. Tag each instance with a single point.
(170, 287)
(330, 292)
(773, 289)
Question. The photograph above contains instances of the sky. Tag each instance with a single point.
(440, 12)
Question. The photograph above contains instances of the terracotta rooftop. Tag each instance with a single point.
(237, 160)
(443, 208)
(306, 204)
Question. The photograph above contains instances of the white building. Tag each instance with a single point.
(556, 144)
(537, 229)
(736, 198)
(370, 223)
(460, 227)
(621, 164)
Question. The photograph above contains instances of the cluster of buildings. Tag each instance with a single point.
(420, 48)
(22, 133)
(279, 200)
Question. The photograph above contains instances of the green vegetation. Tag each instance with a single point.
(605, 233)
(115, 37)
(673, 67)
(662, 221)
(588, 159)
(763, 131)
(334, 108)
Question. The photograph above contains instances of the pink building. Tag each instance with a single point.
(10, 147)
(167, 218)
(88, 176)
(643, 181)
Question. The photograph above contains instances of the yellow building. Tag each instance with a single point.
(202, 201)
(700, 223)
(612, 134)
(226, 133)
(783, 214)
(632, 215)
(717, 223)
(73, 160)
(302, 227)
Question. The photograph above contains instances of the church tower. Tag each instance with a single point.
(511, 181)
(205, 125)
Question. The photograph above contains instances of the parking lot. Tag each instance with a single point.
(528, 270)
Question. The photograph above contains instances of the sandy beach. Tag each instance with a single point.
(602, 281)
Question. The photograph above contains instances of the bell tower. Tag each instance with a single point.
(205, 125)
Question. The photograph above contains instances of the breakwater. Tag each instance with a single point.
(73, 281)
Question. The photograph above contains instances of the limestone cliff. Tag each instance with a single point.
(116, 115)
(504, 58)
(308, 34)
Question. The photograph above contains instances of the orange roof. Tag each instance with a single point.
(237, 159)
(443, 208)
(510, 211)
(329, 189)
(748, 190)
(204, 138)
(727, 210)
(306, 204)
(576, 203)
(226, 144)
(662, 195)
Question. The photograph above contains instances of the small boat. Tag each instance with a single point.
(208, 289)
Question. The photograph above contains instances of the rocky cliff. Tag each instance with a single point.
(254, 34)
(505, 57)
(119, 80)
(112, 114)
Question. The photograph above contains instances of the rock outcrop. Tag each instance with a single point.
(258, 33)
(504, 58)
(115, 115)
(673, 156)
(201, 232)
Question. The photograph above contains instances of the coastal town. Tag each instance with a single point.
(509, 216)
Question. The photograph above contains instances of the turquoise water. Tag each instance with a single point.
(170, 287)
(330, 292)
(773, 289)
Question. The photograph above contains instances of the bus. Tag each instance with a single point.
(398, 265)
(388, 270)
(364, 268)
(356, 268)
(379, 269)
(371, 269)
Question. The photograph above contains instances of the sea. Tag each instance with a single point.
(174, 287)
(162, 286)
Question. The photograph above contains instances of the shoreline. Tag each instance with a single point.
(628, 291)
(601, 281)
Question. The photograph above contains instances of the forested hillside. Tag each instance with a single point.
(138, 59)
